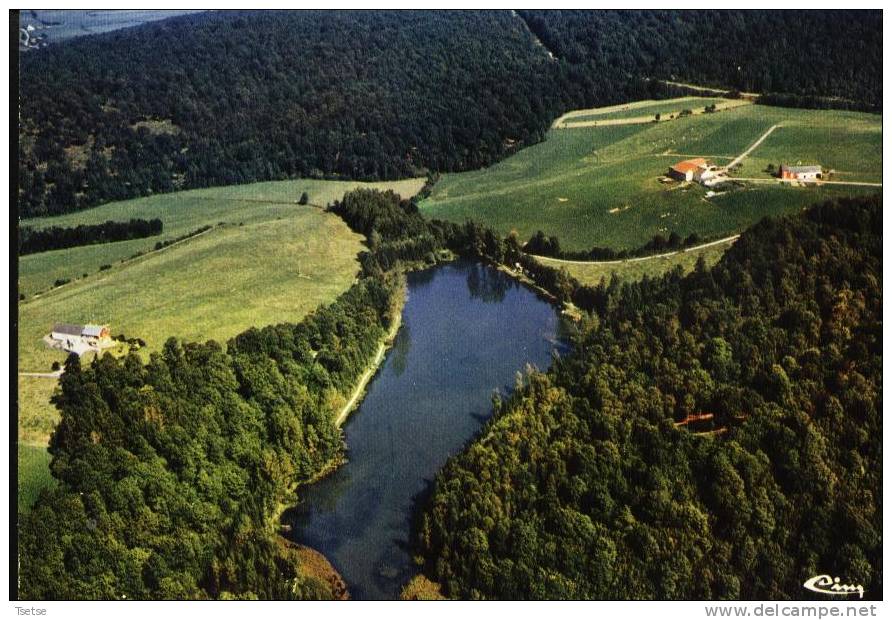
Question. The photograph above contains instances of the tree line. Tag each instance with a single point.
(542, 245)
(821, 58)
(171, 473)
(715, 435)
(416, 92)
(33, 240)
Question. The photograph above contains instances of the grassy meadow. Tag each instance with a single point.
(182, 213)
(270, 261)
(647, 108)
(33, 474)
(601, 185)
(630, 270)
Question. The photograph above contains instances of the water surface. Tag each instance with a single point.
(467, 329)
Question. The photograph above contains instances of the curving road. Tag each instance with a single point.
(730, 239)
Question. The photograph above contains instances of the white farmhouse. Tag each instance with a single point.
(79, 338)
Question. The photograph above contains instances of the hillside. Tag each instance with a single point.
(599, 184)
(830, 54)
(372, 94)
(272, 95)
(261, 259)
(714, 436)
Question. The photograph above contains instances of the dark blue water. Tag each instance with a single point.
(467, 329)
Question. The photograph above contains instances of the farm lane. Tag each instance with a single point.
(817, 182)
(369, 373)
(43, 375)
(752, 147)
(547, 259)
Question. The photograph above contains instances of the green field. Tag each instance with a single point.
(182, 213)
(855, 153)
(630, 270)
(271, 261)
(33, 474)
(664, 108)
(599, 186)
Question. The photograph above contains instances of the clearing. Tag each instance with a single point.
(600, 186)
(266, 260)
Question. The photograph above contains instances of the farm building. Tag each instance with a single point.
(800, 173)
(685, 170)
(79, 338)
(706, 171)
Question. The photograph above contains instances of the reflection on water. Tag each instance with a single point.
(466, 330)
(400, 352)
(487, 284)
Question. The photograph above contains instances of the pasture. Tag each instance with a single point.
(645, 110)
(591, 273)
(181, 213)
(269, 261)
(600, 186)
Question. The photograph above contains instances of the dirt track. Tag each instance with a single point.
(547, 259)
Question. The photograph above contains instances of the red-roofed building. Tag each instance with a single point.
(684, 170)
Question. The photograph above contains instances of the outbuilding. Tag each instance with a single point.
(800, 173)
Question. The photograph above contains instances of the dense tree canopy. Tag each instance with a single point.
(809, 54)
(711, 436)
(233, 97)
(56, 237)
(171, 472)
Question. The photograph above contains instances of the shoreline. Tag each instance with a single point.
(566, 308)
(355, 399)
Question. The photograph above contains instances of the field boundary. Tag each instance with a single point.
(637, 259)
(565, 121)
(123, 263)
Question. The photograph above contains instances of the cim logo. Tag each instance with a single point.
(825, 584)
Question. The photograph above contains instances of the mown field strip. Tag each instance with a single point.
(637, 114)
(592, 273)
(637, 259)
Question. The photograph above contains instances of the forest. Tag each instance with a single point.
(171, 474)
(807, 58)
(542, 245)
(715, 435)
(33, 240)
(375, 95)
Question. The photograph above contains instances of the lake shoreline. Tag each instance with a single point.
(356, 399)
(419, 410)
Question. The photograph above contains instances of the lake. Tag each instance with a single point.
(467, 329)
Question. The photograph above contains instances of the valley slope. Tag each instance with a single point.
(600, 185)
